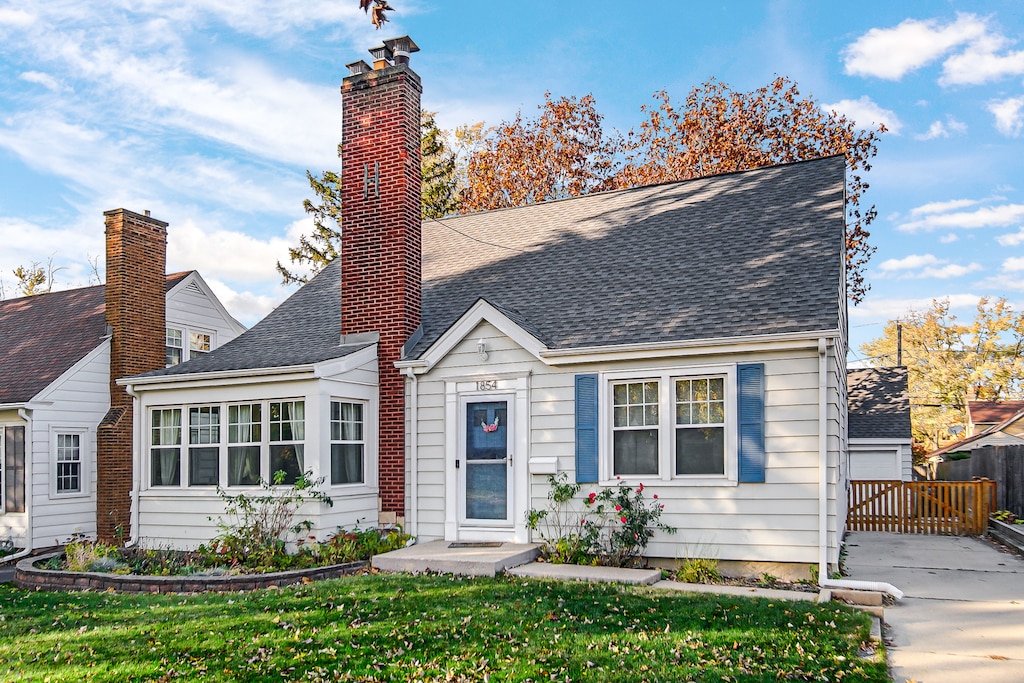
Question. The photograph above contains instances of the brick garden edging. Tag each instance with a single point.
(30, 577)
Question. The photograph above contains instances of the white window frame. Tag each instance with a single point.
(188, 444)
(84, 461)
(168, 345)
(666, 376)
(186, 338)
(192, 339)
(182, 447)
(331, 441)
(262, 444)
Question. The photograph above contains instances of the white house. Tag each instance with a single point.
(880, 434)
(55, 379)
(689, 336)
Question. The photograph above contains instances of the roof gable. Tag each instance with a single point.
(46, 334)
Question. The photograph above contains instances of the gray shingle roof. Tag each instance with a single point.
(879, 403)
(42, 336)
(741, 254)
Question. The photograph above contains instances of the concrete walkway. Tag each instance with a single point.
(963, 615)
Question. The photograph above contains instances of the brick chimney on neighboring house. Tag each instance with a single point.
(136, 301)
(380, 245)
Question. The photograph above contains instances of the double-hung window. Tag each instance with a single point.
(347, 443)
(199, 343)
(165, 447)
(204, 446)
(69, 463)
(287, 437)
(672, 424)
(173, 347)
(244, 432)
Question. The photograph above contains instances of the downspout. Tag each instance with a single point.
(823, 578)
(26, 415)
(133, 534)
(414, 498)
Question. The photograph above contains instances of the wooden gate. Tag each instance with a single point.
(952, 508)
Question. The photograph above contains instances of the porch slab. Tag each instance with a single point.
(575, 572)
(464, 559)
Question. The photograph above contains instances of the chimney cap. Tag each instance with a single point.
(381, 53)
(402, 46)
(359, 67)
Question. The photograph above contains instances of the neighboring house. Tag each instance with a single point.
(880, 435)
(56, 373)
(1009, 432)
(689, 336)
(981, 415)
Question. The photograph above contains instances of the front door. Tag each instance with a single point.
(485, 473)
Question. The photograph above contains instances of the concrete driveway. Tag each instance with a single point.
(962, 618)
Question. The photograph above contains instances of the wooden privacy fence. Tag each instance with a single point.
(953, 508)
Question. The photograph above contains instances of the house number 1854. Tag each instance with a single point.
(487, 385)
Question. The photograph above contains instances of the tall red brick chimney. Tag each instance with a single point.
(380, 244)
(136, 302)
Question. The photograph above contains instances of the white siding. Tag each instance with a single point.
(190, 308)
(774, 521)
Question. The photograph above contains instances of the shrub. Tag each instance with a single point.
(612, 527)
(699, 570)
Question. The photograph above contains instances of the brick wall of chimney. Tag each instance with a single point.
(136, 303)
(381, 251)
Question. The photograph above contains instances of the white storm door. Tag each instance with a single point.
(485, 461)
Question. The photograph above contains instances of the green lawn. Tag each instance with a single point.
(428, 628)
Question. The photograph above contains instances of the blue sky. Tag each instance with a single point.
(208, 114)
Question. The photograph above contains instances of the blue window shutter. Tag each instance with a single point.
(586, 429)
(750, 381)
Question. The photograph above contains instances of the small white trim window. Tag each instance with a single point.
(68, 456)
(165, 447)
(671, 425)
(173, 347)
(287, 437)
(348, 443)
(199, 343)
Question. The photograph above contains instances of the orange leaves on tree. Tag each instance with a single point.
(379, 7)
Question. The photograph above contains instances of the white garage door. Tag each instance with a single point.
(874, 464)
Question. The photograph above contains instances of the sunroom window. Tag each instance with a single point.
(287, 434)
(244, 437)
(204, 446)
(347, 443)
(165, 450)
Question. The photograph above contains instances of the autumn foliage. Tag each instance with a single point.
(564, 152)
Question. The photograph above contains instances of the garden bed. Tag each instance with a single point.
(30, 577)
(1008, 534)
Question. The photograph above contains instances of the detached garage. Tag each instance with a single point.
(880, 436)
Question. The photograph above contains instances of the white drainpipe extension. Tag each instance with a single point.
(823, 578)
(414, 497)
(133, 532)
(26, 415)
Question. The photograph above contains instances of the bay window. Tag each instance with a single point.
(165, 450)
(244, 430)
(287, 434)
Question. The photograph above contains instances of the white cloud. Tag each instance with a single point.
(940, 129)
(979, 63)
(224, 254)
(1014, 264)
(909, 262)
(944, 272)
(1009, 114)
(1004, 282)
(865, 113)
(890, 53)
(928, 266)
(45, 80)
(942, 207)
(247, 307)
(16, 18)
(984, 217)
(889, 309)
(948, 239)
(1012, 239)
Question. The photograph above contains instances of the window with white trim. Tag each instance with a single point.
(203, 446)
(287, 437)
(347, 443)
(199, 343)
(672, 424)
(165, 447)
(245, 423)
(173, 347)
(69, 463)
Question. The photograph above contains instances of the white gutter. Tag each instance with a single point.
(823, 578)
(414, 498)
(133, 523)
(210, 376)
(26, 415)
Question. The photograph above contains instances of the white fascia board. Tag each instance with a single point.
(195, 277)
(84, 360)
(227, 377)
(481, 311)
(751, 343)
(875, 441)
(337, 366)
(14, 406)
